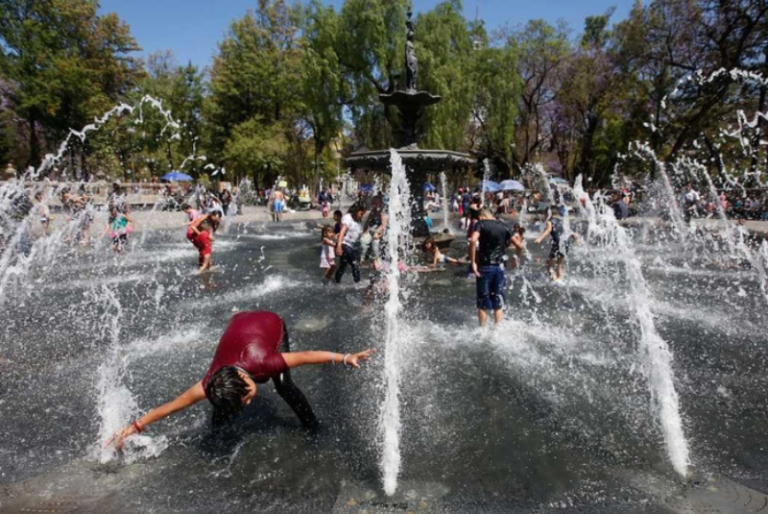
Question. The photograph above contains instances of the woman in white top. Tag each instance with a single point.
(348, 247)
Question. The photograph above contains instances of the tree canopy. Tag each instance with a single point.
(294, 86)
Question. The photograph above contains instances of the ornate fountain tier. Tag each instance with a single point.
(415, 159)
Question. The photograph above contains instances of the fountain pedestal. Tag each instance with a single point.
(406, 110)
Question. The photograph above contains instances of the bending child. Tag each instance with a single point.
(253, 349)
(199, 233)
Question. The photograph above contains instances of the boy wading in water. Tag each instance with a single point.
(253, 349)
(559, 249)
(493, 237)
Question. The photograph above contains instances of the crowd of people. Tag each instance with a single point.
(738, 204)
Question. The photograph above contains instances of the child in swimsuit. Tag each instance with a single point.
(434, 254)
(328, 254)
(120, 225)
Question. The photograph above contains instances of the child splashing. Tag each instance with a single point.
(199, 234)
(119, 226)
(328, 254)
(435, 257)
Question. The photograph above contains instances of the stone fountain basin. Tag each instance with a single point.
(414, 159)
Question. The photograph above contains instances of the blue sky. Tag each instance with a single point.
(192, 28)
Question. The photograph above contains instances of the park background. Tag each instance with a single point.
(292, 88)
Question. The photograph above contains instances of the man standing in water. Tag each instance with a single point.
(348, 248)
(253, 349)
(278, 204)
(493, 237)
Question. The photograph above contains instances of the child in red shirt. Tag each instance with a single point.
(199, 234)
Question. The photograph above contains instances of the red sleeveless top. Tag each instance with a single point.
(252, 342)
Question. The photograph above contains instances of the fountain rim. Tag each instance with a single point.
(378, 160)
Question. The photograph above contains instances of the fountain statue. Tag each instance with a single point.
(408, 132)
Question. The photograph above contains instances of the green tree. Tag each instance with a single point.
(495, 110)
(66, 63)
(371, 46)
(444, 43)
(323, 88)
(256, 78)
(543, 49)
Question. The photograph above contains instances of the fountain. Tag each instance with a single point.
(446, 201)
(395, 334)
(605, 231)
(549, 413)
(409, 105)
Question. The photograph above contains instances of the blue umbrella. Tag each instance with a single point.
(177, 176)
(512, 185)
(428, 187)
(366, 188)
(490, 186)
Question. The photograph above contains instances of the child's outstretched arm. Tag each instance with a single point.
(296, 359)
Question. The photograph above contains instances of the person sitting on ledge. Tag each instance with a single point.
(253, 349)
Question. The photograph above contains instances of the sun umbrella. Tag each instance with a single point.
(428, 187)
(490, 186)
(177, 176)
(512, 185)
(559, 181)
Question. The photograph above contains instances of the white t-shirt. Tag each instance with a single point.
(354, 230)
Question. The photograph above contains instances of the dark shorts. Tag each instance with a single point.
(555, 253)
(490, 288)
(120, 240)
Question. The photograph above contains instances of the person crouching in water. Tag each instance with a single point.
(253, 349)
(493, 237)
(559, 249)
(200, 234)
(119, 226)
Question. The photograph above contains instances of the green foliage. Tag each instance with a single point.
(254, 149)
(445, 50)
(498, 87)
(62, 64)
(293, 84)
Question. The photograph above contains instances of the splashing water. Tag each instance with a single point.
(398, 239)
(116, 404)
(18, 222)
(486, 179)
(603, 227)
(446, 200)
